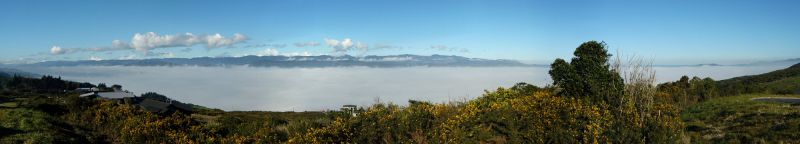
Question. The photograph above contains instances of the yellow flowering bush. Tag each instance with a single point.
(501, 116)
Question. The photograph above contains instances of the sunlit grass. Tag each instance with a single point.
(24, 125)
(9, 105)
(738, 118)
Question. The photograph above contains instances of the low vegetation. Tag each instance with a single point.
(738, 119)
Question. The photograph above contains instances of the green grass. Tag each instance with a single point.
(740, 120)
(30, 126)
(786, 85)
(9, 105)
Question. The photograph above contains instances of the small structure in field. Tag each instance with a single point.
(84, 90)
(113, 96)
(351, 109)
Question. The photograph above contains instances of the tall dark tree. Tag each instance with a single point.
(116, 87)
(588, 75)
(564, 76)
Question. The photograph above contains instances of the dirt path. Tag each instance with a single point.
(790, 100)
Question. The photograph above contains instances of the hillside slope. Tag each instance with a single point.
(784, 81)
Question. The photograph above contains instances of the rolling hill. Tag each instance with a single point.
(784, 81)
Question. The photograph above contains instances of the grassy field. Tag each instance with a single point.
(19, 125)
(786, 85)
(738, 119)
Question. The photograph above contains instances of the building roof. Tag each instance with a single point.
(109, 95)
(115, 95)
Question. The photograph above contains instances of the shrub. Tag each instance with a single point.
(588, 76)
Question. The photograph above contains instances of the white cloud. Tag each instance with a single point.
(266, 45)
(152, 40)
(306, 44)
(148, 41)
(56, 50)
(268, 52)
(331, 42)
(275, 52)
(346, 45)
(237, 37)
(94, 58)
(159, 54)
(305, 53)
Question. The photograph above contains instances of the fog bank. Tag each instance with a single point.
(301, 89)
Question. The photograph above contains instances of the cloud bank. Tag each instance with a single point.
(145, 42)
(275, 52)
(265, 45)
(345, 45)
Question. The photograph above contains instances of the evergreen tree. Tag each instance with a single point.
(588, 75)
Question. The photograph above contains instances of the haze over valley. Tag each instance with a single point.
(323, 88)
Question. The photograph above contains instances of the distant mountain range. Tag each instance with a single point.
(775, 63)
(786, 62)
(301, 61)
(8, 72)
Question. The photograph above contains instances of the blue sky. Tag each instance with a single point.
(669, 32)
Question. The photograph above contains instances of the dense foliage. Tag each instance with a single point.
(588, 75)
(45, 84)
(685, 92)
(502, 116)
